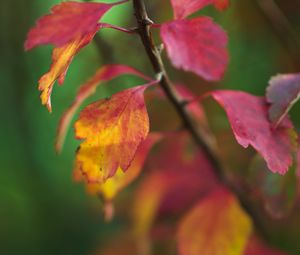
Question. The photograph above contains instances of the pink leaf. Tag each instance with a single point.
(183, 8)
(282, 94)
(197, 45)
(104, 74)
(67, 21)
(248, 118)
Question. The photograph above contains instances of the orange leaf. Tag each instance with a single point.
(216, 226)
(61, 60)
(113, 129)
(105, 73)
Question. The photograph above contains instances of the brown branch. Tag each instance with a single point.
(154, 55)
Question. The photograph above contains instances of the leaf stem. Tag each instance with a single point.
(121, 29)
(144, 30)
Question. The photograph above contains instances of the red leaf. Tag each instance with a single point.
(217, 225)
(183, 8)
(248, 116)
(104, 74)
(112, 130)
(68, 21)
(197, 45)
(282, 93)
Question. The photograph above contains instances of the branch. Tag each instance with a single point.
(154, 55)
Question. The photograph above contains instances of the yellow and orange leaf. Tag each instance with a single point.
(112, 130)
(105, 73)
(110, 188)
(61, 60)
(216, 226)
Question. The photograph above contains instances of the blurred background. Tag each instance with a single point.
(42, 210)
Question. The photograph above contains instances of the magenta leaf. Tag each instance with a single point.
(197, 45)
(248, 116)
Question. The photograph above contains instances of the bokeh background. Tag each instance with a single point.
(42, 210)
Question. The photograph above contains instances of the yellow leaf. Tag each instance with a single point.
(216, 226)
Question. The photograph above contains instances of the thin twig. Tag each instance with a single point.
(144, 25)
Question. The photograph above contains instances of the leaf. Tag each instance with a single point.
(257, 247)
(283, 92)
(67, 22)
(217, 225)
(104, 74)
(61, 60)
(109, 189)
(197, 45)
(112, 130)
(248, 116)
(183, 8)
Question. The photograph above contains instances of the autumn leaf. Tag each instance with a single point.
(112, 186)
(104, 74)
(216, 226)
(80, 26)
(112, 130)
(183, 8)
(61, 60)
(67, 22)
(248, 116)
(283, 92)
(197, 45)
